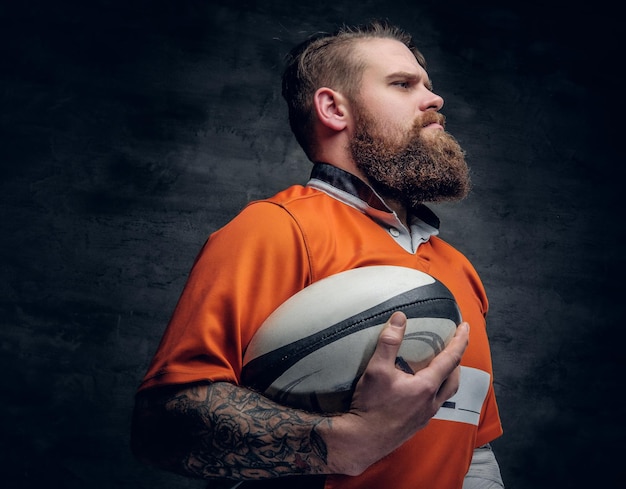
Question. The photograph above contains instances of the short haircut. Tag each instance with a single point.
(327, 60)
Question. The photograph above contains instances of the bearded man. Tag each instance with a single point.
(362, 107)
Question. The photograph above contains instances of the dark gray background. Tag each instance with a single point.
(131, 130)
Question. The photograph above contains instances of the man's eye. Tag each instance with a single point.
(402, 84)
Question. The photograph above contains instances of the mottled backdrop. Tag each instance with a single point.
(130, 130)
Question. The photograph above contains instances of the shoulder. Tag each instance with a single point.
(276, 228)
(306, 208)
(265, 215)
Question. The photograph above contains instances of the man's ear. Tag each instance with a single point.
(331, 108)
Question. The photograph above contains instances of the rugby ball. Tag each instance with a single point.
(310, 352)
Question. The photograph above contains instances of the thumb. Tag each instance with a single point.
(391, 338)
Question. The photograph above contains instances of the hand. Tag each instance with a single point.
(389, 405)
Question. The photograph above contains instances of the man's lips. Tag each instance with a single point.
(433, 120)
(433, 125)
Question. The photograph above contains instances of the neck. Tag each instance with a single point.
(400, 211)
(347, 164)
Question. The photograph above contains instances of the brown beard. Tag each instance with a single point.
(419, 168)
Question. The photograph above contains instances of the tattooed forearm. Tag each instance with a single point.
(221, 430)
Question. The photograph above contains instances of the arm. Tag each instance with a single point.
(223, 430)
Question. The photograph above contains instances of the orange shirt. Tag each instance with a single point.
(276, 247)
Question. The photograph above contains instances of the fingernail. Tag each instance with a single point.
(397, 320)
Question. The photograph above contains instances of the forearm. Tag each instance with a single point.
(221, 430)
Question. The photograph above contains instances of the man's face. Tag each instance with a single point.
(398, 141)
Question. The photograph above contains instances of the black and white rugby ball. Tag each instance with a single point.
(310, 352)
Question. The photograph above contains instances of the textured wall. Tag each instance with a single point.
(131, 130)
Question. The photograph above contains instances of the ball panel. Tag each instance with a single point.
(333, 299)
(323, 380)
(424, 338)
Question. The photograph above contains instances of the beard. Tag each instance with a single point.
(421, 166)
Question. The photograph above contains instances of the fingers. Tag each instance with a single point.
(451, 355)
(445, 366)
(442, 365)
(458, 344)
(391, 338)
(449, 387)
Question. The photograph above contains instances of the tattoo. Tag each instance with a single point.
(222, 430)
